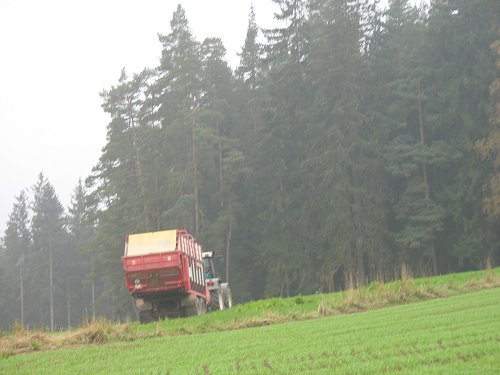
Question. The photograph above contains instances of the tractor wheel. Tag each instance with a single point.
(216, 300)
(228, 296)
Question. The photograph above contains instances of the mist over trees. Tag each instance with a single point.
(350, 141)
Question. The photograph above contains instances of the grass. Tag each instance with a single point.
(280, 310)
(459, 334)
(254, 314)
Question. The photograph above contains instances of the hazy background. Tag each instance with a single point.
(55, 58)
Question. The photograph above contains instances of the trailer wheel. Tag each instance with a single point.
(197, 308)
(228, 296)
(189, 311)
(145, 317)
(202, 306)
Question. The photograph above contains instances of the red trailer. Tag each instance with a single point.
(164, 272)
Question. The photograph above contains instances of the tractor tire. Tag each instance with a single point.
(228, 296)
(216, 300)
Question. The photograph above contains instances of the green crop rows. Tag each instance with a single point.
(453, 335)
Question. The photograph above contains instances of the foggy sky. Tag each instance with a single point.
(55, 58)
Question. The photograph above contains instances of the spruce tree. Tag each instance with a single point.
(178, 90)
(250, 72)
(280, 152)
(17, 243)
(489, 147)
(343, 160)
(50, 242)
(460, 68)
(78, 260)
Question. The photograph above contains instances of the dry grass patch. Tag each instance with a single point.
(23, 340)
(488, 281)
(255, 314)
(377, 295)
(99, 331)
(268, 319)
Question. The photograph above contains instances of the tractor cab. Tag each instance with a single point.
(220, 293)
(208, 259)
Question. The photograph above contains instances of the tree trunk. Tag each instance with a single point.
(21, 287)
(285, 285)
(361, 265)
(139, 173)
(93, 300)
(254, 115)
(156, 169)
(434, 260)
(424, 171)
(68, 304)
(195, 181)
(422, 142)
(221, 177)
(228, 245)
(51, 286)
(331, 282)
(157, 193)
(350, 278)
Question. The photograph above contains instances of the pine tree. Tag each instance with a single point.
(78, 262)
(489, 147)
(49, 240)
(250, 72)
(399, 71)
(288, 43)
(179, 93)
(129, 147)
(217, 123)
(280, 152)
(124, 193)
(248, 131)
(4, 298)
(489, 150)
(343, 160)
(459, 69)
(17, 242)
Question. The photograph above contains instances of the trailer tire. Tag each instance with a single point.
(201, 306)
(195, 309)
(145, 317)
(228, 296)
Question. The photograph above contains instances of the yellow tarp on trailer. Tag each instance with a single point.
(151, 243)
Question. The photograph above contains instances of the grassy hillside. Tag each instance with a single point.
(458, 334)
(448, 335)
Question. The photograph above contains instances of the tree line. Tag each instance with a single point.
(351, 140)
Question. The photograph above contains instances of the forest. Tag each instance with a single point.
(352, 142)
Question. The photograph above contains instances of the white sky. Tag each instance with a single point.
(55, 58)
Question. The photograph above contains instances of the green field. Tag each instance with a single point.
(456, 334)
